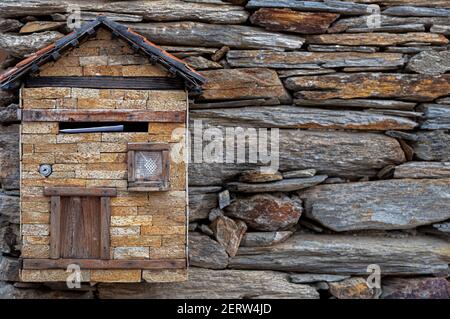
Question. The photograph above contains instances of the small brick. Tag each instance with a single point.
(38, 138)
(165, 275)
(168, 252)
(94, 60)
(126, 59)
(55, 148)
(27, 149)
(136, 241)
(39, 128)
(125, 137)
(49, 275)
(61, 71)
(36, 240)
(96, 103)
(162, 230)
(46, 93)
(68, 167)
(116, 275)
(30, 190)
(107, 166)
(35, 206)
(85, 93)
(35, 251)
(75, 182)
(125, 231)
(77, 158)
(35, 218)
(103, 147)
(131, 221)
(76, 138)
(35, 230)
(38, 158)
(173, 240)
(123, 210)
(29, 103)
(113, 157)
(144, 70)
(129, 201)
(132, 104)
(131, 253)
(117, 183)
(105, 70)
(167, 132)
(85, 51)
(101, 174)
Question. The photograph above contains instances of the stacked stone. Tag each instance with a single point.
(363, 111)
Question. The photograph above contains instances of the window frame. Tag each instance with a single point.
(161, 184)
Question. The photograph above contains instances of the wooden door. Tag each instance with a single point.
(80, 227)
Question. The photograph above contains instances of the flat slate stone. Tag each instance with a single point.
(432, 145)
(263, 239)
(387, 204)
(357, 103)
(293, 21)
(297, 60)
(300, 173)
(214, 284)
(286, 185)
(260, 176)
(348, 255)
(266, 212)
(239, 84)
(9, 156)
(9, 114)
(416, 11)
(410, 87)
(286, 116)
(206, 253)
(201, 204)
(21, 45)
(430, 62)
(348, 8)
(415, 288)
(352, 288)
(423, 170)
(312, 278)
(436, 116)
(211, 35)
(336, 153)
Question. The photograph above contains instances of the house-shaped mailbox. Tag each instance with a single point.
(103, 175)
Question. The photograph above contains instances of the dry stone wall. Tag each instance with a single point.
(363, 112)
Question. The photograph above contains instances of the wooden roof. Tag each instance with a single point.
(193, 80)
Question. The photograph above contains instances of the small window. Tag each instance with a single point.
(148, 167)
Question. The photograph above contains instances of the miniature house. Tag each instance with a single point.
(103, 178)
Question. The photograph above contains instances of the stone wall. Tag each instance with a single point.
(363, 112)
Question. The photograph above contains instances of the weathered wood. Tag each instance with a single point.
(104, 264)
(432, 146)
(423, 170)
(21, 45)
(335, 153)
(79, 191)
(388, 204)
(55, 227)
(206, 253)
(436, 116)
(209, 35)
(410, 87)
(153, 11)
(238, 84)
(331, 254)
(378, 39)
(293, 21)
(348, 8)
(286, 185)
(299, 117)
(107, 82)
(103, 116)
(294, 60)
(430, 62)
(105, 222)
(215, 284)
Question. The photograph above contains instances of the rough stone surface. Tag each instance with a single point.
(9, 269)
(286, 185)
(432, 145)
(436, 117)
(266, 212)
(430, 62)
(228, 233)
(206, 252)
(9, 156)
(352, 288)
(389, 204)
(409, 87)
(423, 170)
(258, 176)
(312, 278)
(22, 45)
(200, 205)
(262, 239)
(293, 21)
(219, 284)
(340, 254)
(378, 39)
(415, 288)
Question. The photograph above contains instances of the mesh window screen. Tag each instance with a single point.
(148, 165)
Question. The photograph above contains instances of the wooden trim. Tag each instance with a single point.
(103, 116)
(104, 264)
(107, 82)
(80, 191)
(55, 227)
(105, 218)
(148, 147)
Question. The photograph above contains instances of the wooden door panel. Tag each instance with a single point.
(80, 227)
